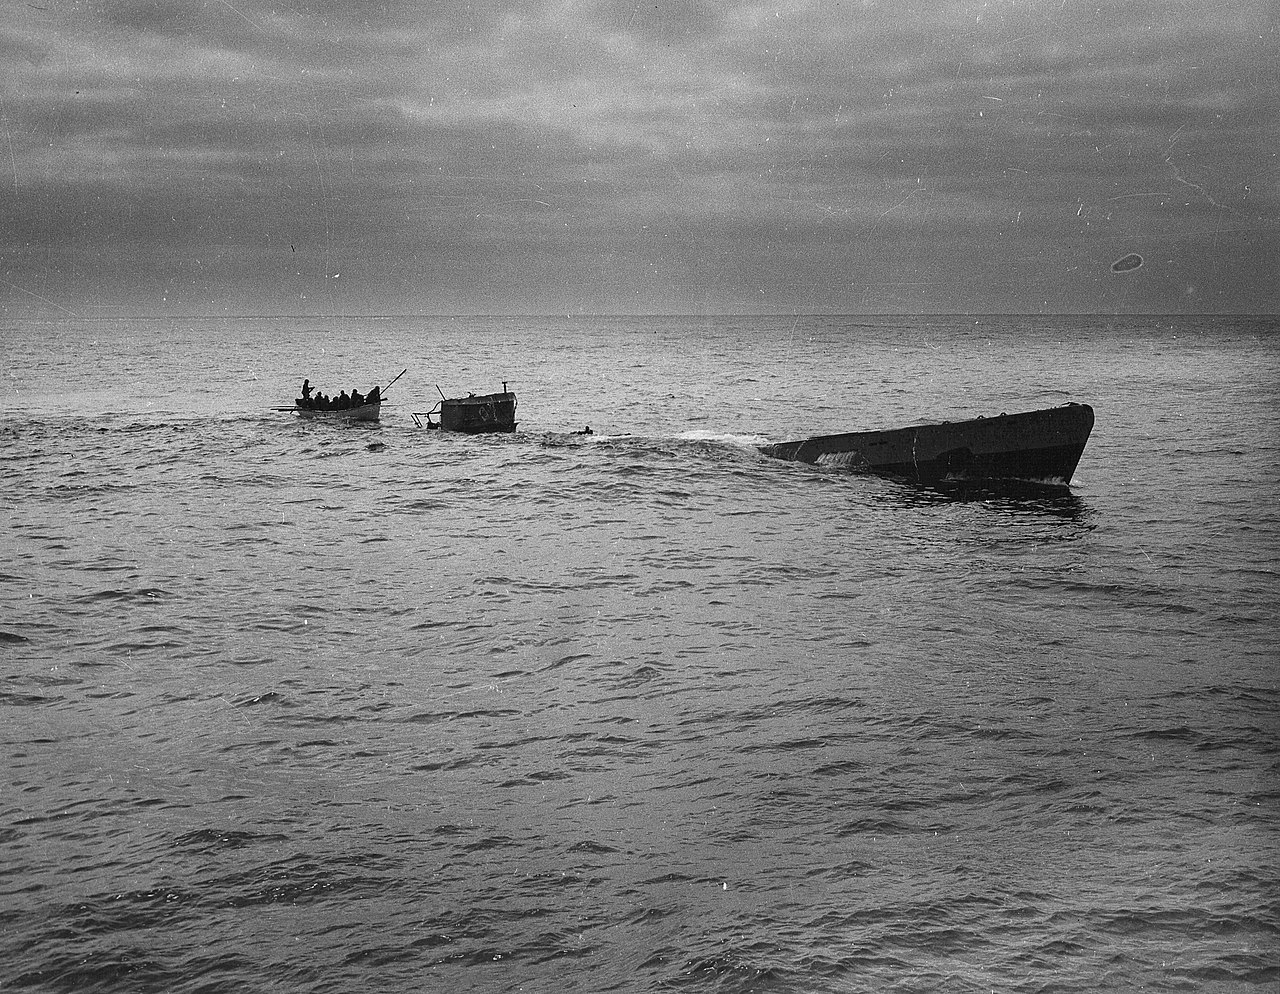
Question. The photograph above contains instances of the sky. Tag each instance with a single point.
(692, 157)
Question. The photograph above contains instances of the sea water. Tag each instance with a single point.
(296, 705)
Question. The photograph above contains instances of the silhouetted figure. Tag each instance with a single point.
(375, 396)
(306, 391)
(585, 431)
(356, 399)
(344, 401)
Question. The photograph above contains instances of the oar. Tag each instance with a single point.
(397, 376)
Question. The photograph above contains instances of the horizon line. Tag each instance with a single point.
(205, 316)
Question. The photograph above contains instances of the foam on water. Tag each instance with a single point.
(729, 438)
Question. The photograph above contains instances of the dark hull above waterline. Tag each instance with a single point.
(365, 412)
(488, 413)
(1034, 447)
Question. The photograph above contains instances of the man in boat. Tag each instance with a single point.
(375, 396)
(356, 399)
(343, 402)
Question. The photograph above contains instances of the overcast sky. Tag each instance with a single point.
(405, 156)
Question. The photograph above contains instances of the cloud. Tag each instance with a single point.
(208, 153)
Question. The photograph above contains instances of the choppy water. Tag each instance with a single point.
(300, 707)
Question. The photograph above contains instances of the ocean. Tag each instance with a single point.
(309, 707)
